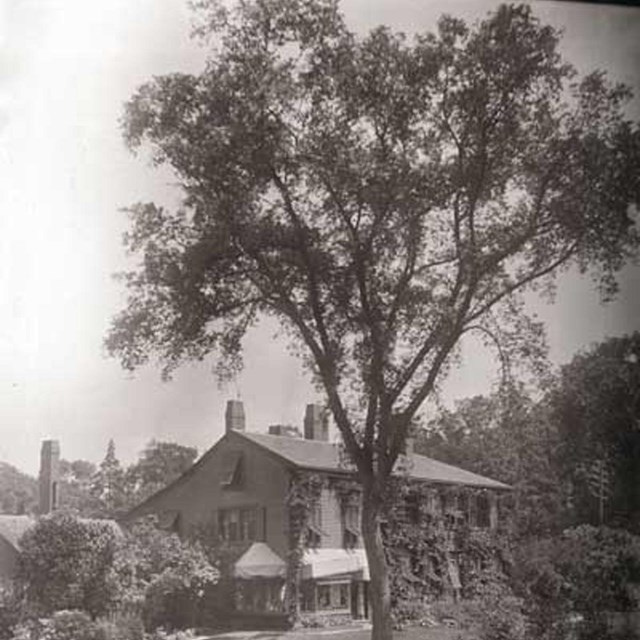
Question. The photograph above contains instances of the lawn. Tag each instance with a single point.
(415, 633)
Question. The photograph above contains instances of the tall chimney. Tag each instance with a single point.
(316, 423)
(49, 476)
(234, 416)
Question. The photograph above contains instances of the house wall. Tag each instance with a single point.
(200, 495)
(8, 561)
(332, 524)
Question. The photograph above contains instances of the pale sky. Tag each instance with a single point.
(66, 68)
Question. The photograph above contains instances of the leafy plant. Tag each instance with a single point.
(587, 571)
(67, 563)
(162, 575)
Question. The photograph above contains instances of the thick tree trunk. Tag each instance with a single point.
(379, 590)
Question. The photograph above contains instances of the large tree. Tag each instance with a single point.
(381, 198)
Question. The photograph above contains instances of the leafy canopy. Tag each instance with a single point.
(380, 197)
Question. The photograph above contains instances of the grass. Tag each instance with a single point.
(414, 633)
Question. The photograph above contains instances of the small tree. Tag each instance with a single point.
(381, 199)
(108, 484)
(67, 563)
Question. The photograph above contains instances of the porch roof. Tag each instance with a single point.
(325, 563)
(260, 561)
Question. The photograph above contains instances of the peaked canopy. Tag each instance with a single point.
(260, 561)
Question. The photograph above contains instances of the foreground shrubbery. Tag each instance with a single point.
(85, 580)
(77, 625)
(579, 575)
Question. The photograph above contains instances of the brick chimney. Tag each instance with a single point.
(234, 416)
(316, 423)
(49, 476)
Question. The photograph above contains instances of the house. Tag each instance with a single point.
(242, 488)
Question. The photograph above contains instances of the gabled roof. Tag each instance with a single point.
(12, 528)
(329, 457)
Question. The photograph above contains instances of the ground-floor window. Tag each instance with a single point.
(260, 595)
(326, 596)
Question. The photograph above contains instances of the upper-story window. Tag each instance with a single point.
(233, 471)
(351, 521)
(239, 524)
(314, 525)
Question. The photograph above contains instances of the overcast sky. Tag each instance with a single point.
(66, 68)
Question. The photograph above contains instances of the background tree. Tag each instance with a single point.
(158, 465)
(381, 199)
(18, 491)
(108, 484)
(76, 480)
(510, 437)
(596, 408)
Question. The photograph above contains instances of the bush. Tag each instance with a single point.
(494, 611)
(585, 572)
(67, 564)
(164, 577)
(161, 634)
(122, 627)
(11, 609)
(63, 625)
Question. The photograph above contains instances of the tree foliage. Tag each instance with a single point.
(18, 491)
(381, 198)
(108, 484)
(596, 407)
(158, 465)
(511, 437)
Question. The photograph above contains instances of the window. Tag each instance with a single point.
(351, 523)
(483, 511)
(260, 595)
(334, 596)
(238, 524)
(232, 471)
(314, 526)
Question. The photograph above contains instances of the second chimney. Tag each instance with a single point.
(234, 416)
(316, 423)
(49, 476)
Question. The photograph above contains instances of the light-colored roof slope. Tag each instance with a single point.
(325, 456)
(13, 527)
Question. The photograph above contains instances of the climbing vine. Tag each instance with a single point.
(304, 493)
(429, 536)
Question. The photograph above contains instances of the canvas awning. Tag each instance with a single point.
(260, 561)
(322, 563)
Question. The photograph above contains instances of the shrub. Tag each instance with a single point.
(494, 611)
(11, 610)
(162, 634)
(66, 625)
(586, 571)
(67, 564)
(164, 577)
(122, 627)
